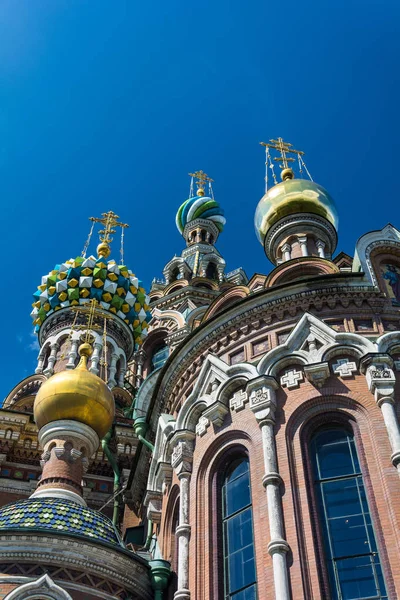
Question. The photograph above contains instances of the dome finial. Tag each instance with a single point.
(85, 350)
(202, 180)
(110, 221)
(283, 148)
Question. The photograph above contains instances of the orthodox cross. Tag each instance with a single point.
(110, 221)
(202, 179)
(284, 148)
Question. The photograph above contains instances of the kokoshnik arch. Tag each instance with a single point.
(219, 438)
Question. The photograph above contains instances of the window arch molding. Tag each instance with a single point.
(43, 588)
(358, 419)
(225, 449)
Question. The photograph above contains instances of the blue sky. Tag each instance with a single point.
(109, 104)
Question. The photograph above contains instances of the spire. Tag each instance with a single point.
(110, 221)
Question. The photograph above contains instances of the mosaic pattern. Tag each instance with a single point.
(58, 515)
(79, 279)
(200, 207)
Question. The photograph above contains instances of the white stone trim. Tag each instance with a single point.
(41, 589)
(65, 428)
(58, 493)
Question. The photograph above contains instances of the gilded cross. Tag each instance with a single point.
(284, 148)
(110, 221)
(202, 179)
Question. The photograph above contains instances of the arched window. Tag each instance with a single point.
(211, 271)
(174, 275)
(238, 542)
(159, 356)
(351, 552)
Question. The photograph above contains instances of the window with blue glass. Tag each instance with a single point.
(237, 522)
(159, 357)
(352, 556)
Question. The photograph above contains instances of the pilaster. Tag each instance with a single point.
(182, 458)
(261, 393)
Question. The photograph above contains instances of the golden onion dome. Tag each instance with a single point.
(77, 395)
(290, 197)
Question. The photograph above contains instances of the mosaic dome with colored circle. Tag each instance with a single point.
(78, 280)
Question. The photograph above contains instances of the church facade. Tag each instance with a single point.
(219, 438)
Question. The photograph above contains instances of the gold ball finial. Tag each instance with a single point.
(85, 350)
(287, 174)
(104, 250)
(200, 191)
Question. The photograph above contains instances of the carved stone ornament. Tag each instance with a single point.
(317, 373)
(202, 425)
(261, 392)
(292, 378)
(238, 400)
(163, 476)
(344, 368)
(381, 381)
(153, 501)
(259, 397)
(216, 413)
(182, 456)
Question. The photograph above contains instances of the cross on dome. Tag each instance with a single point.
(202, 180)
(110, 221)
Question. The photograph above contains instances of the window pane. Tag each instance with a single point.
(238, 468)
(247, 594)
(159, 357)
(341, 498)
(349, 536)
(241, 568)
(237, 494)
(240, 530)
(357, 580)
(334, 455)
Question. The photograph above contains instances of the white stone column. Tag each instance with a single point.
(286, 250)
(182, 457)
(261, 393)
(54, 348)
(381, 381)
(39, 368)
(121, 377)
(387, 407)
(303, 245)
(73, 353)
(95, 358)
(321, 248)
(113, 369)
